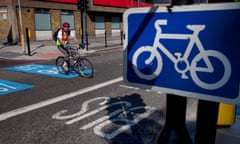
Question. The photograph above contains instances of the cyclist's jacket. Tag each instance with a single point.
(65, 36)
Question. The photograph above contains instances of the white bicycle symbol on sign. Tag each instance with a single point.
(179, 60)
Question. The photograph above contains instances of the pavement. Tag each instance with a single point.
(230, 135)
(46, 50)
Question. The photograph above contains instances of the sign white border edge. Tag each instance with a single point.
(194, 7)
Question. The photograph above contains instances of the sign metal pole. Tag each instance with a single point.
(175, 130)
(206, 126)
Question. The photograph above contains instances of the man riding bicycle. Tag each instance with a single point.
(63, 37)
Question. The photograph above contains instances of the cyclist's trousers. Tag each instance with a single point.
(66, 54)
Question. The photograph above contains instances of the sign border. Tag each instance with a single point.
(189, 8)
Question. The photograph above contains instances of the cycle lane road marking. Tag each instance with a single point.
(7, 87)
(28, 108)
(47, 70)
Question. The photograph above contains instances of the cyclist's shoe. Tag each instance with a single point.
(65, 66)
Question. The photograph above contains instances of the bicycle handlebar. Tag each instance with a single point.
(160, 22)
(80, 46)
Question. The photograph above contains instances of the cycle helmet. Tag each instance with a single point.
(66, 24)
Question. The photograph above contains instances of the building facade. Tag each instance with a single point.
(43, 17)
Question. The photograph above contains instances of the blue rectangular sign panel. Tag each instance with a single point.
(188, 50)
(9, 87)
(47, 70)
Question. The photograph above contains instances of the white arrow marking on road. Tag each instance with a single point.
(44, 103)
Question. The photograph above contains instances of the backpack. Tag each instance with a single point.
(55, 34)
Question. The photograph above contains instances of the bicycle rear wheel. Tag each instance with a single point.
(85, 68)
(61, 65)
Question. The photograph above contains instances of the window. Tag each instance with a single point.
(115, 23)
(67, 16)
(100, 24)
(42, 19)
(3, 13)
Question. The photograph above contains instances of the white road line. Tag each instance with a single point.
(44, 103)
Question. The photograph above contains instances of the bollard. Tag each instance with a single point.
(226, 115)
(105, 39)
(87, 41)
(28, 42)
(121, 35)
(81, 34)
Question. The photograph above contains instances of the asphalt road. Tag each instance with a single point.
(100, 110)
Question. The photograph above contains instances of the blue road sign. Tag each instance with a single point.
(188, 50)
(48, 70)
(9, 87)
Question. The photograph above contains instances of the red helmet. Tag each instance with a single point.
(66, 24)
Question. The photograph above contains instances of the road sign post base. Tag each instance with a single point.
(175, 130)
(206, 122)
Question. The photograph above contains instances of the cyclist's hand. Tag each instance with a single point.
(67, 46)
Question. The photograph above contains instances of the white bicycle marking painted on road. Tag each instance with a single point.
(5, 87)
(114, 117)
(128, 123)
(50, 71)
(29, 67)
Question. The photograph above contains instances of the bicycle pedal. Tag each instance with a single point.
(184, 76)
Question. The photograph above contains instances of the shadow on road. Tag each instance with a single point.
(132, 122)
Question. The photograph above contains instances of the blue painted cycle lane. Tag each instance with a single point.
(40, 69)
(47, 70)
(7, 87)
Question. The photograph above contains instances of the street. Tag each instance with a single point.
(77, 110)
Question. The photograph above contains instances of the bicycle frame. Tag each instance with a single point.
(193, 39)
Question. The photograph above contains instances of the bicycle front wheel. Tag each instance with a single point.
(147, 63)
(85, 68)
(61, 65)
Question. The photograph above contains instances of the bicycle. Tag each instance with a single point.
(181, 62)
(78, 63)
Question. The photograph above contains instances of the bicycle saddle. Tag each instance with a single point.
(196, 27)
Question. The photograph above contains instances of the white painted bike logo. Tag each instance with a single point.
(118, 115)
(5, 87)
(38, 69)
(180, 59)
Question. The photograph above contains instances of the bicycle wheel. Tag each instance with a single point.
(61, 65)
(85, 68)
(214, 79)
(150, 67)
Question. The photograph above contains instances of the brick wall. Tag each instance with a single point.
(28, 21)
(55, 19)
(77, 20)
(91, 24)
(28, 12)
(4, 24)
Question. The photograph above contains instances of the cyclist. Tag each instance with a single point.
(63, 36)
